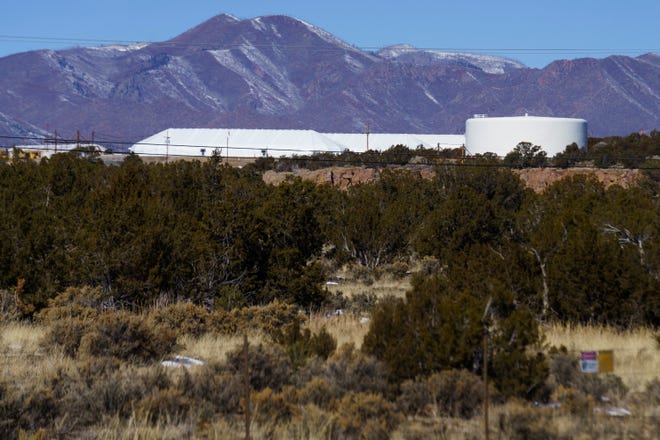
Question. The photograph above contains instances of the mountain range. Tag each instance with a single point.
(280, 72)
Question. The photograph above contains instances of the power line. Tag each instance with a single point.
(313, 156)
(174, 43)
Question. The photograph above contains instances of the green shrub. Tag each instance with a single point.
(165, 406)
(429, 266)
(398, 269)
(300, 344)
(456, 393)
(182, 318)
(85, 303)
(270, 319)
(652, 392)
(573, 401)
(452, 393)
(126, 336)
(271, 407)
(9, 307)
(11, 408)
(351, 370)
(213, 390)
(439, 328)
(414, 397)
(120, 391)
(604, 385)
(322, 344)
(94, 369)
(26, 409)
(70, 315)
(429, 429)
(364, 416)
(357, 304)
(524, 423)
(269, 367)
(66, 334)
(564, 369)
(318, 392)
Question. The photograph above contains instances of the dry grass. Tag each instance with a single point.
(214, 347)
(385, 285)
(21, 357)
(636, 354)
(344, 328)
(637, 361)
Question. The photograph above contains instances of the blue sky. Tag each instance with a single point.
(533, 32)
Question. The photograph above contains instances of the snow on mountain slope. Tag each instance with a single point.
(404, 53)
(281, 72)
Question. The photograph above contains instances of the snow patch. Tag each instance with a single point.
(396, 50)
(353, 64)
(472, 76)
(275, 31)
(328, 37)
(258, 24)
(639, 82)
(182, 361)
(264, 77)
(119, 47)
(488, 63)
(428, 95)
(614, 84)
(187, 80)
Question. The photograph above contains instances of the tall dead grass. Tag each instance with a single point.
(384, 285)
(637, 362)
(636, 353)
(22, 359)
(213, 347)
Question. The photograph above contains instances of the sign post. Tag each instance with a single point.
(605, 361)
(589, 362)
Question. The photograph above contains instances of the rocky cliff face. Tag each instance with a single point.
(539, 179)
(280, 72)
(535, 178)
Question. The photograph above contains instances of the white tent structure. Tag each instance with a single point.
(254, 143)
(360, 142)
(232, 142)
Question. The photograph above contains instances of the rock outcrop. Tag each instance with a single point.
(535, 178)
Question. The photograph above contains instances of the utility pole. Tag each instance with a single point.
(246, 384)
(485, 367)
(367, 136)
(485, 383)
(167, 146)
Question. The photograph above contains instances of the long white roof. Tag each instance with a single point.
(234, 142)
(357, 142)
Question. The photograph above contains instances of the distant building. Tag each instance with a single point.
(254, 143)
(482, 135)
(47, 150)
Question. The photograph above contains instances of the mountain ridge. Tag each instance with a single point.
(281, 72)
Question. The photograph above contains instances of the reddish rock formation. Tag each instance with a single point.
(540, 178)
(535, 178)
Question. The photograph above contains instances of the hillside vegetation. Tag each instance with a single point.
(107, 270)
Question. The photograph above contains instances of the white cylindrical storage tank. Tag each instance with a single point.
(500, 135)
